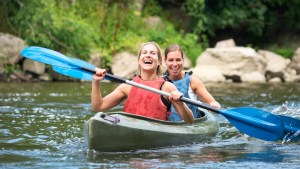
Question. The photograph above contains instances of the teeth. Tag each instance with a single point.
(147, 62)
(175, 68)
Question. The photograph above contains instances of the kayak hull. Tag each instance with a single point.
(121, 131)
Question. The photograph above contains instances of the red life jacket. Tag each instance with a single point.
(146, 103)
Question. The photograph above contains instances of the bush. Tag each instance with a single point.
(77, 27)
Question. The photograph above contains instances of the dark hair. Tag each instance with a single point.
(173, 48)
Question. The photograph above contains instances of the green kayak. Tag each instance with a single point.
(119, 131)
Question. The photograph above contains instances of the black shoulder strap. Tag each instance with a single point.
(166, 77)
(165, 102)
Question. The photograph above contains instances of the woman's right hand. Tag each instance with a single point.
(100, 74)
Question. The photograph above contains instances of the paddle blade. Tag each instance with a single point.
(73, 72)
(82, 63)
(84, 71)
(77, 73)
(291, 128)
(255, 123)
(47, 56)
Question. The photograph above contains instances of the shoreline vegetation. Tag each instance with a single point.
(102, 32)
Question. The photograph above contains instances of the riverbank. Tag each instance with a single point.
(226, 62)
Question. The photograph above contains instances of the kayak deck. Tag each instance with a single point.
(119, 131)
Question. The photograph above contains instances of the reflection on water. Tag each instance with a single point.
(41, 125)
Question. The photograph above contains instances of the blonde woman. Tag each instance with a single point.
(139, 101)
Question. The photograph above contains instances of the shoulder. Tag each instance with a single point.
(195, 78)
(195, 81)
(168, 86)
(124, 88)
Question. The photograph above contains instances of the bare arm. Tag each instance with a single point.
(185, 113)
(201, 91)
(114, 98)
(109, 101)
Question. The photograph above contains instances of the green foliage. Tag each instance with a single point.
(10, 69)
(256, 17)
(286, 52)
(45, 23)
(152, 8)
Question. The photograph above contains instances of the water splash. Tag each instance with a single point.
(287, 109)
(291, 137)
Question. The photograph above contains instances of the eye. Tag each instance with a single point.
(153, 52)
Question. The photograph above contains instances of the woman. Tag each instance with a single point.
(140, 101)
(190, 85)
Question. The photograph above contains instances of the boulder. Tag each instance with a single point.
(187, 63)
(209, 73)
(229, 43)
(96, 58)
(10, 48)
(253, 77)
(295, 63)
(233, 62)
(34, 66)
(125, 65)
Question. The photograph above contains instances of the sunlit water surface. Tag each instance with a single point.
(41, 126)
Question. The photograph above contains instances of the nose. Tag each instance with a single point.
(148, 55)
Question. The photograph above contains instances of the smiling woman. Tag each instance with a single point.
(139, 101)
(190, 85)
(150, 55)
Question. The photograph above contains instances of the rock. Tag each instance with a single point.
(208, 74)
(233, 62)
(275, 63)
(10, 48)
(125, 65)
(96, 58)
(275, 80)
(270, 75)
(295, 63)
(187, 63)
(290, 75)
(229, 43)
(34, 66)
(44, 77)
(253, 77)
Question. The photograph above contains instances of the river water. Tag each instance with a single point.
(41, 126)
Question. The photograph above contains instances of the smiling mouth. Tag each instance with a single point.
(148, 62)
(175, 68)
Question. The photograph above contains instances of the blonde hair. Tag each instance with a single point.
(159, 70)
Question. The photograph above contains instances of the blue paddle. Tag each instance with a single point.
(251, 121)
(291, 128)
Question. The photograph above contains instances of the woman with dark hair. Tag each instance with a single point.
(190, 85)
